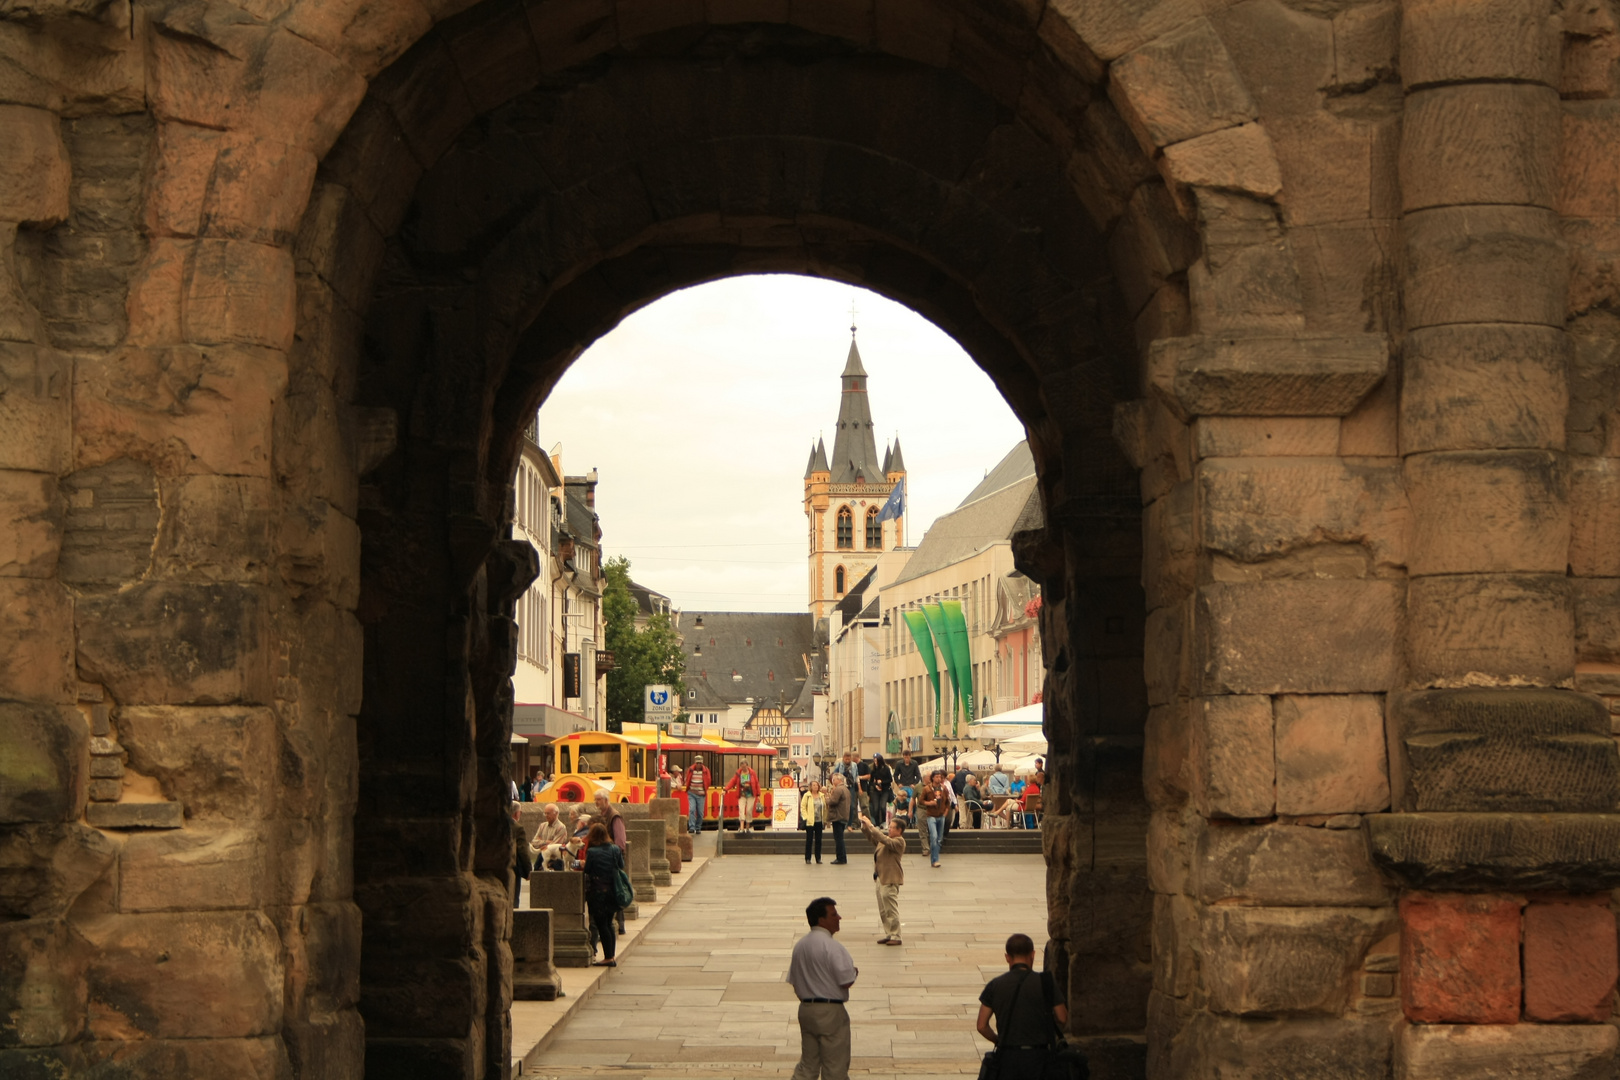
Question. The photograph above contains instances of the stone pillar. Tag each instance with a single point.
(674, 850)
(563, 891)
(1488, 737)
(534, 976)
(640, 871)
(649, 833)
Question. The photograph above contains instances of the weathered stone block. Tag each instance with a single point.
(35, 171)
(1166, 769)
(1179, 85)
(1480, 143)
(1460, 959)
(185, 975)
(1231, 757)
(36, 641)
(1570, 960)
(1486, 851)
(1597, 620)
(1594, 511)
(178, 643)
(43, 769)
(1300, 375)
(216, 528)
(182, 410)
(1502, 511)
(1257, 509)
(136, 815)
(650, 834)
(1232, 159)
(1175, 941)
(192, 870)
(1172, 836)
(564, 893)
(1113, 29)
(1589, 176)
(240, 292)
(1286, 866)
(1507, 749)
(42, 991)
(534, 976)
(1484, 264)
(1285, 960)
(112, 520)
(1298, 637)
(1330, 755)
(1505, 1052)
(1266, 436)
(35, 409)
(1471, 628)
(1295, 1048)
(211, 759)
(31, 510)
(1495, 386)
(45, 868)
(1465, 40)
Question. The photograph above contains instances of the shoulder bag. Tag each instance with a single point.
(624, 894)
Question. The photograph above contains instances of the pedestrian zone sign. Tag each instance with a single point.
(658, 704)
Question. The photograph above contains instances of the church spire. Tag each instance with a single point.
(854, 445)
(818, 460)
(896, 463)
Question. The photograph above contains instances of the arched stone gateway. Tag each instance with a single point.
(1308, 308)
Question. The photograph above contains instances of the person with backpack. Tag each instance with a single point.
(1029, 1019)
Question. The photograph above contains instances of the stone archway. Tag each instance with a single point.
(1345, 587)
(519, 248)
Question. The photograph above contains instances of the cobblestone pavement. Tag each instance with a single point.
(702, 996)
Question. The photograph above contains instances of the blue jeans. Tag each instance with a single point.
(936, 833)
(694, 813)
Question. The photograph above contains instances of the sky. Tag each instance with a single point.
(699, 412)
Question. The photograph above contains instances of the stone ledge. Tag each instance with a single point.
(135, 815)
(1476, 852)
(1299, 375)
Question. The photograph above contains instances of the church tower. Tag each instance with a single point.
(845, 493)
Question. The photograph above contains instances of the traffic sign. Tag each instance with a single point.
(658, 704)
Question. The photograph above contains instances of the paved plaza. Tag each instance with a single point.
(701, 994)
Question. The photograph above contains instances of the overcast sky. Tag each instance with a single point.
(699, 412)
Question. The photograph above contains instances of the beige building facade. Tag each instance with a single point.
(966, 556)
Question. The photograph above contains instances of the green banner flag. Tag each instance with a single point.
(936, 625)
(956, 634)
(925, 645)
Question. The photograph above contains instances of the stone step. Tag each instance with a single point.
(960, 842)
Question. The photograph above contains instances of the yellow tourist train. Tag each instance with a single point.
(625, 766)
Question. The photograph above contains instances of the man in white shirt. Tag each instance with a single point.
(821, 974)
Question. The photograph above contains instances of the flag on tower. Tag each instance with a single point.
(896, 504)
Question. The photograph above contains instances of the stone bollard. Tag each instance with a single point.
(658, 850)
(641, 878)
(669, 812)
(563, 891)
(534, 976)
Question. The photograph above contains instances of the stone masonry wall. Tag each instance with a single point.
(1309, 309)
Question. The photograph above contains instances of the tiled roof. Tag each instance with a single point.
(766, 650)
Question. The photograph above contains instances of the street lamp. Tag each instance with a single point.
(995, 748)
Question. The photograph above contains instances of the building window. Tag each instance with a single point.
(874, 529)
(846, 529)
(838, 581)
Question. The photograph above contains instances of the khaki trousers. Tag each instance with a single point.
(888, 900)
(823, 1041)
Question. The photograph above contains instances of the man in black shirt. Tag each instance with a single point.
(1027, 1012)
(908, 772)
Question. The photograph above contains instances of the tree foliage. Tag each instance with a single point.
(644, 657)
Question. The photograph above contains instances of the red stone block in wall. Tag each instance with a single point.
(1460, 959)
(1570, 960)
